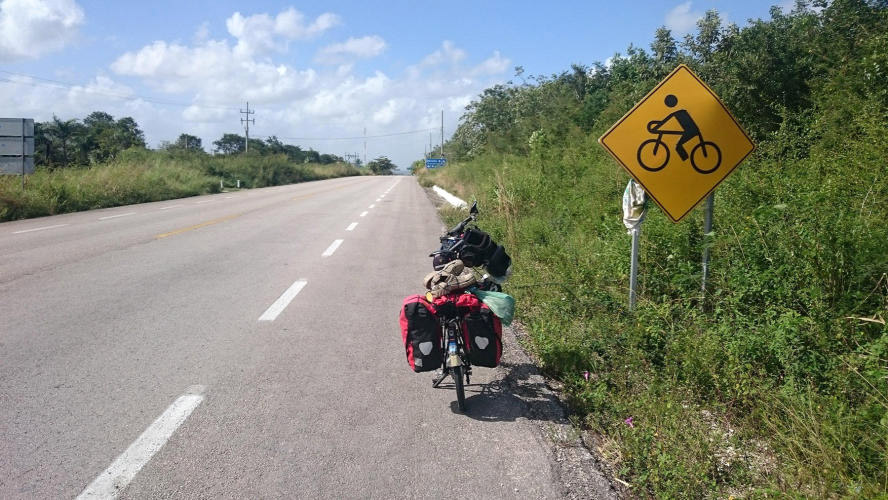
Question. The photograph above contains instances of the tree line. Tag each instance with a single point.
(100, 138)
(97, 139)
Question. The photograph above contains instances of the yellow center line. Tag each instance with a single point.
(304, 196)
(197, 226)
(223, 219)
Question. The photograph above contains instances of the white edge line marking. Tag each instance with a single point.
(449, 198)
(204, 201)
(169, 207)
(116, 216)
(283, 301)
(332, 248)
(112, 481)
(39, 228)
(352, 226)
(364, 213)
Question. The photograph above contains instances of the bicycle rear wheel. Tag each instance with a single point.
(457, 373)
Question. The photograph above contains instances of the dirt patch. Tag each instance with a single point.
(438, 201)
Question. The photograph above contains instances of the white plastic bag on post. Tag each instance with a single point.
(634, 206)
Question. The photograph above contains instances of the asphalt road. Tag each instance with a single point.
(166, 327)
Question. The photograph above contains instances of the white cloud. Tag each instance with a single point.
(393, 109)
(457, 104)
(493, 65)
(214, 70)
(681, 19)
(364, 47)
(447, 54)
(203, 33)
(212, 78)
(261, 33)
(39, 100)
(31, 28)
(201, 114)
(290, 23)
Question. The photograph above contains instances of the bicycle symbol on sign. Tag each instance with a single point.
(653, 154)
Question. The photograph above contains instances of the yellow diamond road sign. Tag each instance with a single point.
(679, 142)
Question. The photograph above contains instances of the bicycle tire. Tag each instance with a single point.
(653, 142)
(701, 147)
(457, 373)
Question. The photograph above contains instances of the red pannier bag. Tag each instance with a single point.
(421, 334)
(482, 330)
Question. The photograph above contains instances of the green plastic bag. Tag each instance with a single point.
(501, 304)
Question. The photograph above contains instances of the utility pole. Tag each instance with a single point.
(442, 133)
(365, 145)
(246, 121)
(430, 143)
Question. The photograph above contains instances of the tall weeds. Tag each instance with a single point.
(139, 176)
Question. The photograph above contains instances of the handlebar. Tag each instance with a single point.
(458, 229)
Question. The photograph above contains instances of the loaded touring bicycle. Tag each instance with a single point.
(457, 324)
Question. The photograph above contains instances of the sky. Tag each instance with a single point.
(317, 74)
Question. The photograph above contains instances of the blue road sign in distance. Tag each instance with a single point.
(435, 162)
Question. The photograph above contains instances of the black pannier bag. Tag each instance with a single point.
(421, 334)
(499, 262)
(477, 247)
(483, 335)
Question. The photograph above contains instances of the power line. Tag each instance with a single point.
(355, 138)
(46, 82)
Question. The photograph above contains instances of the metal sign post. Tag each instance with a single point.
(634, 210)
(633, 269)
(707, 233)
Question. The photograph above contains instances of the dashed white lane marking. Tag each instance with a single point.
(229, 197)
(116, 216)
(117, 476)
(352, 226)
(39, 229)
(363, 214)
(283, 301)
(378, 199)
(382, 196)
(332, 248)
(372, 205)
(171, 206)
(204, 201)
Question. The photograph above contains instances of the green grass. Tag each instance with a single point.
(775, 388)
(140, 176)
